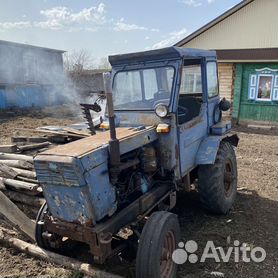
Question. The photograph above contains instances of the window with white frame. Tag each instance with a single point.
(263, 86)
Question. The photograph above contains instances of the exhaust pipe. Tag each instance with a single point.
(114, 146)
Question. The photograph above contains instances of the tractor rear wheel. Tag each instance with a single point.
(217, 183)
(159, 239)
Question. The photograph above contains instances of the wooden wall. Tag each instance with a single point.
(245, 109)
(226, 81)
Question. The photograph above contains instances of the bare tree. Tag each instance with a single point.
(85, 74)
(78, 61)
(104, 64)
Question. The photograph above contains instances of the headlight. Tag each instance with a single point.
(161, 110)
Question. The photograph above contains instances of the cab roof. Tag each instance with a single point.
(172, 52)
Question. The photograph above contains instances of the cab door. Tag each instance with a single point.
(191, 113)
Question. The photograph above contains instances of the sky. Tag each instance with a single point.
(107, 26)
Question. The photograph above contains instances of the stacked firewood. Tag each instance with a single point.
(18, 179)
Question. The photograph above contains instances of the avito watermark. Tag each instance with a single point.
(238, 252)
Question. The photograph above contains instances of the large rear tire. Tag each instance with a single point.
(217, 183)
(159, 239)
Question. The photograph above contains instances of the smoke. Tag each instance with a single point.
(36, 77)
(33, 77)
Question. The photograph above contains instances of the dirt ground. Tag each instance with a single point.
(253, 221)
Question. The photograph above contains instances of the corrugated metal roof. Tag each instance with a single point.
(2, 42)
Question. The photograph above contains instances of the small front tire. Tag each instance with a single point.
(54, 242)
(159, 239)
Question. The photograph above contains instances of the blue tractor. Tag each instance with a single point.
(162, 132)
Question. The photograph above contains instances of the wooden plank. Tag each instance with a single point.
(24, 199)
(93, 142)
(8, 148)
(49, 256)
(2, 185)
(8, 171)
(27, 179)
(29, 188)
(75, 131)
(16, 217)
(51, 132)
(18, 164)
(12, 156)
(25, 173)
(33, 146)
(25, 139)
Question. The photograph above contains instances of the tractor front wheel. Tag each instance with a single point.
(217, 183)
(43, 238)
(159, 239)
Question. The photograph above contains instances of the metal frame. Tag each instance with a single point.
(100, 236)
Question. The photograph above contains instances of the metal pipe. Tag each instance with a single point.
(113, 142)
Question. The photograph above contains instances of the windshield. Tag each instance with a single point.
(143, 89)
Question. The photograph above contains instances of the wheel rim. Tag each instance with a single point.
(166, 262)
(54, 243)
(228, 178)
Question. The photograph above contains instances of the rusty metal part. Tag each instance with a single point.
(114, 144)
(149, 159)
(88, 144)
(186, 183)
(129, 164)
(130, 213)
(87, 114)
(99, 237)
(166, 262)
(100, 245)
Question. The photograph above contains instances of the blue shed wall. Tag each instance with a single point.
(30, 76)
(29, 96)
(3, 103)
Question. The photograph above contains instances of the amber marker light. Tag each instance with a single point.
(163, 128)
(104, 125)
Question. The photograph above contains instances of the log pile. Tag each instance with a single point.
(56, 135)
(18, 179)
(52, 257)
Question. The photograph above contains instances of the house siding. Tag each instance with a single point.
(245, 109)
(254, 26)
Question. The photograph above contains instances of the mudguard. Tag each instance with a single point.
(209, 146)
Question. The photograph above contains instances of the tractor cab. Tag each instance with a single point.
(169, 81)
(175, 89)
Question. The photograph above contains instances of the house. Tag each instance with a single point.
(29, 75)
(246, 41)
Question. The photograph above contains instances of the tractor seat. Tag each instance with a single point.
(193, 106)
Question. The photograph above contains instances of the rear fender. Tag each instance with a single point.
(209, 147)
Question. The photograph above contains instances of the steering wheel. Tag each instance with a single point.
(182, 111)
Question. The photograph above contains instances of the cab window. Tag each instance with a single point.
(191, 92)
(191, 80)
(212, 79)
